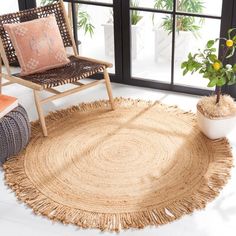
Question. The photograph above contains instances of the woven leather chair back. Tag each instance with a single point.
(31, 14)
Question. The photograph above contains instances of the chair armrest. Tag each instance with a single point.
(108, 64)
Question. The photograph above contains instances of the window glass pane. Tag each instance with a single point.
(208, 7)
(186, 42)
(151, 47)
(45, 2)
(103, 1)
(96, 32)
(156, 4)
(9, 6)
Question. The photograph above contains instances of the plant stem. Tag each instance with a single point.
(218, 93)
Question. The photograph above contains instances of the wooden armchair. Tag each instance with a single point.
(78, 68)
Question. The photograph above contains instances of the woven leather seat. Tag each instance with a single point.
(76, 70)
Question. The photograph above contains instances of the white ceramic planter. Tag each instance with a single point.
(163, 42)
(215, 128)
(109, 40)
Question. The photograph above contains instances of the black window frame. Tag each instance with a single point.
(116, 6)
(226, 23)
(121, 11)
(26, 4)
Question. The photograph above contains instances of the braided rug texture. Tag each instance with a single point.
(142, 164)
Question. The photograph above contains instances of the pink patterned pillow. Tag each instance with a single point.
(38, 44)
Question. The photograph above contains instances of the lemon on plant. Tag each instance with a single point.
(229, 43)
(216, 65)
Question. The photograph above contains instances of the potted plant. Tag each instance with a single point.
(216, 115)
(187, 27)
(135, 18)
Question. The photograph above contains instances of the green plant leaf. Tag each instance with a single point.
(197, 66)
(231, 53)
(206, 75)
(210, 43)
(212, 49)
(185, 72)
(190, 55)
(203, 61)
(202, 71)
(212, 83)
(232, 81)
(234, 38)
(212, 57)
(221, 82)
(230, 31)
(228, 75)
(135, 15)
(84, 22)
(183, 23)
(184, 64)
(234, 68)
(163, 4)
(190, 66)
(46, 2)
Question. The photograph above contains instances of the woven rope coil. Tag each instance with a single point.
(143, 164)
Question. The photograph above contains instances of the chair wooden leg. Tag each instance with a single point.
(40, 112)
(109, 89)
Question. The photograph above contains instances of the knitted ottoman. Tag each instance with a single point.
(14, 133)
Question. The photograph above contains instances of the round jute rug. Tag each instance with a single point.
(142, 164)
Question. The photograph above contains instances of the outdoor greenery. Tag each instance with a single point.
(45, 2)
(84, 22)
(183, 23)
(135, 15)
(207, 63)
(84, 19)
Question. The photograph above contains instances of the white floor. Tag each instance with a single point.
(217, 219)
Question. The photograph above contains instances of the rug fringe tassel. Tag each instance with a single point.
(41, 205)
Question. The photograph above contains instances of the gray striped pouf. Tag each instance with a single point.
(14, 133)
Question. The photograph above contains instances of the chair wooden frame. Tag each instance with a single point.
(57, 94)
